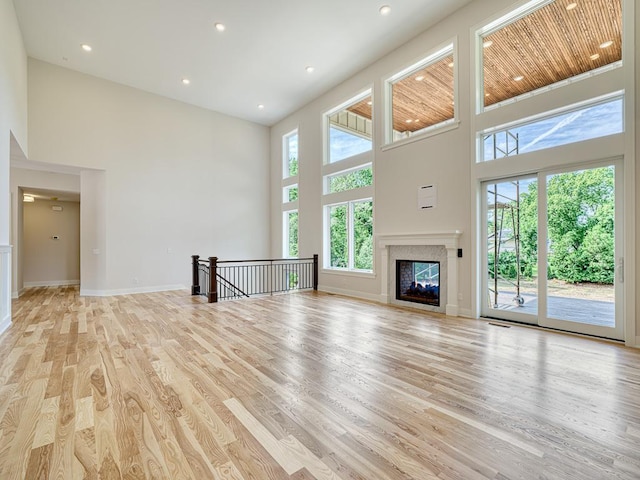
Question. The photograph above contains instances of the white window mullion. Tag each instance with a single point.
(350, 235)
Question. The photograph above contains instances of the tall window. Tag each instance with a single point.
(350, 129)
(290, 157)
(598, 119)
(348, 186)
(291, 234)
(544, 42)
(290, 194)
(351, 235)
(422, 96)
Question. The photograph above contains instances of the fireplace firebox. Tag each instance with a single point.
(418, 281)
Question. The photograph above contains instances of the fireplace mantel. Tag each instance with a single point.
(447, 239)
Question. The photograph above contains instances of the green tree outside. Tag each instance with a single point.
(362, 222)
(293, 234)
(580, 225)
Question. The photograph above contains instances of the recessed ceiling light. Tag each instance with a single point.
(595, 56)
(369, 102)
(451, 64)
(86, 48)
(409, 121)
(385, 10)
(309, 69)
(487, 94)
(571, 6)
(260, 106)
(186, 81)
(417, 120)
(606, 44)
(518, 78)
(487, 44)
(220, 27)
(419, 78)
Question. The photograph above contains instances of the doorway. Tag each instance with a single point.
(551, 250)
(50, 237)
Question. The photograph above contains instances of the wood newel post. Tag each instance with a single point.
(315, 271)
(212, 294)
(195, 279)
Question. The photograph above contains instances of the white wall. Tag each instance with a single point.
(178, 180)
(93, 232)
(636, 260)
(51, 243)
(13, 121)
(445, 159)
(13, 101)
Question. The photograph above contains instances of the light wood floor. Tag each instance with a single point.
(304, 386)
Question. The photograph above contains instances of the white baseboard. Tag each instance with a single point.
(18, 294)
(129, 291)
(6, 323)
(637, 345)
(52, 283)
(382, 298)
(351, 293)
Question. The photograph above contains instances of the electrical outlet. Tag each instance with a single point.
(460, 296)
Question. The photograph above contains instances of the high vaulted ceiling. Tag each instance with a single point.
(260, 58)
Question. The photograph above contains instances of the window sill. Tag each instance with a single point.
(431, 133)
(347, 273)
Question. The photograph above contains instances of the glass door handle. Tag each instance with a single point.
(620, 268)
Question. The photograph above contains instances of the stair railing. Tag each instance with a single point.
(228, 279)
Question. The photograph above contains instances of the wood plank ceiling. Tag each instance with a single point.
(560, 40)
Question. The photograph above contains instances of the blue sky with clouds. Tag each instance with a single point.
(344, 145)
(591, 122)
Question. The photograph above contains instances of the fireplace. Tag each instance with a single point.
(439, 247)
(418, 281)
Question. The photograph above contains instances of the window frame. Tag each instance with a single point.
(326, 126)
(287, 183)
(548, 114)
(286, 189)
(350, 204)
(445, 49)
(286, 154)
(286, 233)
(504, 19)
(347, 197)
(326, 184)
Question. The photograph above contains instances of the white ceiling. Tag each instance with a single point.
(259, 59)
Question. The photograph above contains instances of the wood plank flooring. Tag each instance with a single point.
(304, 386)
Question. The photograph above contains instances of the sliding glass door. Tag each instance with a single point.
(511, 251)
(551, 251)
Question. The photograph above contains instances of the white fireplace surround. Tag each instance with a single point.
(449, 240)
